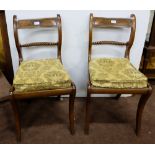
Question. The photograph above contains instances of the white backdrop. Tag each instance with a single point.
(75, 28)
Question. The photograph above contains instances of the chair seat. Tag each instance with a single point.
(115, 73)
(35, 75)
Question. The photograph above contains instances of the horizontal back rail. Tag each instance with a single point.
(111, 22)
(34, 23)
(39, 44)
(109, 43)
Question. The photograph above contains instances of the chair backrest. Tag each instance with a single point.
(101, 22)
(37, 23)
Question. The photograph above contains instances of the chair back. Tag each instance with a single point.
(37, 23)
(101, 22)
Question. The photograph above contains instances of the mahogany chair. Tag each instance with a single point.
(111, 82)
(46, 87)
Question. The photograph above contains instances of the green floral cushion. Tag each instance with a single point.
(115, 73)
(45, 74)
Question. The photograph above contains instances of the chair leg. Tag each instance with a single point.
(71, 110)
(87, 113)
(118, 96)
(17, 119)
(140, 109)
(59, 97)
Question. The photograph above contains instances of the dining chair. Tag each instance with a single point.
(44, 77)
(115, 75)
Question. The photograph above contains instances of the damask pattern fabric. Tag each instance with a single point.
(115, 73)
(41, 75)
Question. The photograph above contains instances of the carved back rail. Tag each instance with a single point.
(100, 22)
(37, 23)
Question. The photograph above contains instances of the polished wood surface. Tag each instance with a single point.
(148, 50)
(71, 91)
(145, 92)
(152, 34)
(6, 66)
(37, 23)
(111, 22)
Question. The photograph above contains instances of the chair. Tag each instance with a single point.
(115, 75)
(40, 78)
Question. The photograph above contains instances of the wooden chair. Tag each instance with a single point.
(56, 91)
(99, 22)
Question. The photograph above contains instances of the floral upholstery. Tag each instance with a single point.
(44, 74)
(115, 73)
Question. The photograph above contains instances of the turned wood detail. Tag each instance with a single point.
(39, 44)
(109, 43)
(5, 64)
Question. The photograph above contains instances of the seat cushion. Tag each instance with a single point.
(115, 73)
(34, 75)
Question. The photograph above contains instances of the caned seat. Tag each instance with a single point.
(35, 75)
(115, 73)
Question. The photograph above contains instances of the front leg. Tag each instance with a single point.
(140, 109)
(87, 112)
(17, 118)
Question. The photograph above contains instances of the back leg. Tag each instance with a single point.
(71, 110)
(118, 96)
(59, 97)
(87, 113)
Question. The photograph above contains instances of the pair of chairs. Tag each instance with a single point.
(44, 78)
